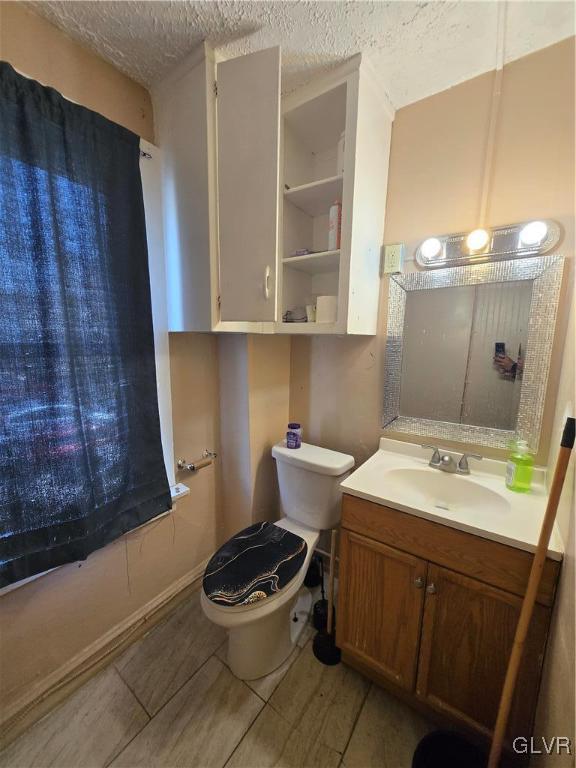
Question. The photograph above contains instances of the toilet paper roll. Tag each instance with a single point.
(326, 308)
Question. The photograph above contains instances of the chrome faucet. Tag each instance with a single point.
(445, 462)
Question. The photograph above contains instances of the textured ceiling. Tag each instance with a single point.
(418, 48)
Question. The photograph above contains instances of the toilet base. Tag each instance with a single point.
(257, 649)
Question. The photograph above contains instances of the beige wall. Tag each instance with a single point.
(556, 715)
(235, 414)
(49, 621)
(254, 406)
(434, 186)
(194, 373)
(59, 617)
(39, 50)
(269, 393)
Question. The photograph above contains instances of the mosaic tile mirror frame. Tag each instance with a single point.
(545, 272)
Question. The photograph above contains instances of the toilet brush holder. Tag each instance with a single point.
(320, 615)
(324, 644)
(320, 610)
(325, 649)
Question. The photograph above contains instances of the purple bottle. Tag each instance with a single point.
(294, 435)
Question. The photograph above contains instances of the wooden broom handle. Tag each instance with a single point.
(531, 594)
(331, 582)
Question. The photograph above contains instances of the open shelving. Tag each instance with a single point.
(335, 139)
(312, 180)
(316, 197)
(269, 178)
(314, 263)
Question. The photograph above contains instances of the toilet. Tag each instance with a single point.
(252, 583)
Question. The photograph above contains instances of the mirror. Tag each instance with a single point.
(468, 350)
(471, 342)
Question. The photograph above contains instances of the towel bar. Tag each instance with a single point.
(193, 466)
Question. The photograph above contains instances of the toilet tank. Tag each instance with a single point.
(309, 478)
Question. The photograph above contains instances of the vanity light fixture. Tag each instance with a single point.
(533, 233)
(477, 240)
(512, 241)
(431, 248)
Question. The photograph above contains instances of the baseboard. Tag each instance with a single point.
(49, 692)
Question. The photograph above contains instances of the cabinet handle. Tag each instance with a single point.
(419, 582)
(267, 283)
(431, 589)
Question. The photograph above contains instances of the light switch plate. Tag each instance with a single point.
(393, 258)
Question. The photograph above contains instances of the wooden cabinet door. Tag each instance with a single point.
(381, 597)
(248, 108)
(466, 642)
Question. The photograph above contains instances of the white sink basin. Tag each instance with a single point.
(398, 476)
(442, 491)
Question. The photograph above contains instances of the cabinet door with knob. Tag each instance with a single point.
(380, 606)
(467, 637)
(430, 613)
(249, 179)
(248, 167)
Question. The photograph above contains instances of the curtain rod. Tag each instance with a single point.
(143, 154)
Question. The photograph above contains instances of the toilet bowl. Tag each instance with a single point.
(252, 584)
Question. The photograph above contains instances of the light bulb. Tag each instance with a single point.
(533, 233)
(477, 240)
(430, 247)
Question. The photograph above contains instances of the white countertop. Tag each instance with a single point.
(509, 518)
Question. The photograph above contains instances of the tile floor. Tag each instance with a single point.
(170, 701)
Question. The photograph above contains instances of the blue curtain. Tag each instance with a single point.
(80, 454)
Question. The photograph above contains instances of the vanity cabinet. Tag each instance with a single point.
(430, 612)
(249, 178)
(467, 635)
(383, 632)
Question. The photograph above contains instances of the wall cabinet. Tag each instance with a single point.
(249, 180)
(248, 151)
(434, 633)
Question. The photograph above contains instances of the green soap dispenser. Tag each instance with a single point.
(519, 468)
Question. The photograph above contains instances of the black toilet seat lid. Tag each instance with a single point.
(254, 564)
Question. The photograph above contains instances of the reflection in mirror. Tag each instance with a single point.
(468, 350)
(464, 351)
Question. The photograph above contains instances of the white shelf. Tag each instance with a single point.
(316, 198)
(309, 329)
(314, 263)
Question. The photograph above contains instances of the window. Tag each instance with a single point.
(80, 451)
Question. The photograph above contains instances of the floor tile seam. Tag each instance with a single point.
(296, 727)
(177, 690)
(357, 719)
(292, 728)
(133, 692)
(139, 731)
(153, 717)
(165, 704)
(245, 733)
